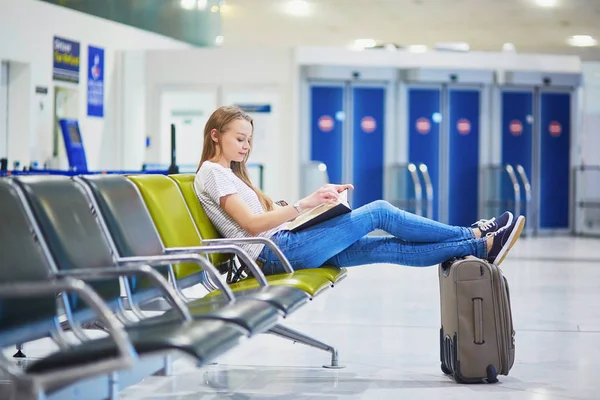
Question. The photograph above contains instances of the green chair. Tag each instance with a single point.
(178, 231)
(209, 234)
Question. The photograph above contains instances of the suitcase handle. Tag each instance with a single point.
(478, 318)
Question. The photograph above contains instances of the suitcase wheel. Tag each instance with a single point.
(492, 374)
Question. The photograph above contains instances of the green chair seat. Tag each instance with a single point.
(333, 274)
(312, 284)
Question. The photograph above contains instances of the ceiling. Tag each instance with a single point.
(484, 24)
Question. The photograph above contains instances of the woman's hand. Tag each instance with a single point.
(325, 194)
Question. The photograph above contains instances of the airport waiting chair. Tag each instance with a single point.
(209, 234)
(30, 286)
(77, 243)
(127, 223)
(28, 308)
(178, 231)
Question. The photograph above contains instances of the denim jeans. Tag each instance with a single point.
(342, 241)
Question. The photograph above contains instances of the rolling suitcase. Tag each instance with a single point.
(477, 339)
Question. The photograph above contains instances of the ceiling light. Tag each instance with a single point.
(297, 8)
(417, 48)
(582, 41)
(202, 4)
(546, 3)
(509, 48)
(214, 9)
(219, 40)
(365, 43)
(188, 4)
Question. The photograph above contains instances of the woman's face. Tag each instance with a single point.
(235, 140)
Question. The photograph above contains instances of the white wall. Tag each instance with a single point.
(590, 123)
(266, 72)
(27, 28)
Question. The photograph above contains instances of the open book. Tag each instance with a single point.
(320, 213)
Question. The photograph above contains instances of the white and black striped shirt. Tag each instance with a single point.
(214, 181)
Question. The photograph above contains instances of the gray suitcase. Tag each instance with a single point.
(477, 339)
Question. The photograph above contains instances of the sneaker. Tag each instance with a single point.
(504, 239)
(488, 226)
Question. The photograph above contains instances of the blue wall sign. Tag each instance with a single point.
(95, 90)
(65, 66)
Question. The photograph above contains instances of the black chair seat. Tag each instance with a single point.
(203, 340)
(286, 298)
(254, 316)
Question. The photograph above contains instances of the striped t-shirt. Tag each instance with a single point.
(214, 181)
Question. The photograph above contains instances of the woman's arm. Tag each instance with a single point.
(257, 223)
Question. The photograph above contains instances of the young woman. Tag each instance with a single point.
(238, 209)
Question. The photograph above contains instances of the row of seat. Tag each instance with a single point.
(109, 247)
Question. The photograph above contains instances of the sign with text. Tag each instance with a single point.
(65, 57)
(95, 89)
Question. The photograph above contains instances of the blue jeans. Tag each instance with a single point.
(341, 241)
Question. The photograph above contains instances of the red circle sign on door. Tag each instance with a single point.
(326, 123)
(423, 126)
(368, 124)
(555, 128)
(516, 127)
(464, 126)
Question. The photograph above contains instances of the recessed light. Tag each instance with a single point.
(547, 3)
(202, 4)
(219, 40)
(582, 41)
(214, 9)
(365, 43)
(297, 8)
(509, 48)
(187, 4)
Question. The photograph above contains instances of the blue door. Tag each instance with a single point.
(555, 148)
(327, 103)
(368, 138)
(517, 138)
(463, 156)
(424, 134)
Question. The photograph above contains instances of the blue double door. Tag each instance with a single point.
(536, 134)
(444, 134)
(347, 132)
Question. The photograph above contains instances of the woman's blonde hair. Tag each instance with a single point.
(219, 120)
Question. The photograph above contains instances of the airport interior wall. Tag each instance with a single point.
(29, 48)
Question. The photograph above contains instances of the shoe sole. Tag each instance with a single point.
(512, 239)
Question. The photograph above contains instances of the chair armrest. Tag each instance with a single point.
(125, 349)
(241, 253)
(267, 242)
(179, 259)
(128, 270)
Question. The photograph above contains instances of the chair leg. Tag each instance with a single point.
(291, 334)
(19, 353)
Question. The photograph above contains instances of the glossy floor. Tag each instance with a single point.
(384, 319)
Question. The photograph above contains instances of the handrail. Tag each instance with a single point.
(516, 188)
(428, 189)
(412, 168)
(400, 187)
(527, 187)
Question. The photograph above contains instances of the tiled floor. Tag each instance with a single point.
(385, 321)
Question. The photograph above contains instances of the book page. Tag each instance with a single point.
(320, 209)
